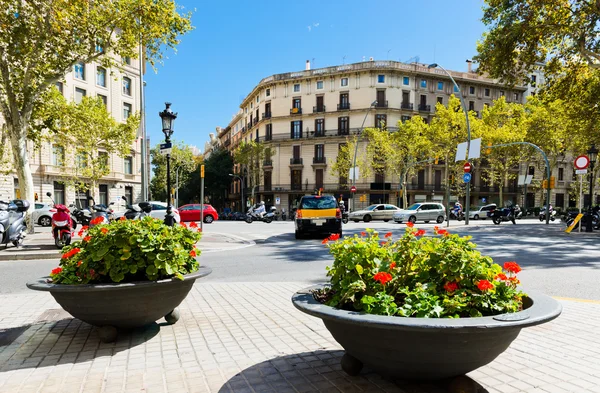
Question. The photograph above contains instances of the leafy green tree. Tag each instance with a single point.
(41, 41)
(93, 134)
(250, 155)
(340, 168)
(181, 157)
(217, 168)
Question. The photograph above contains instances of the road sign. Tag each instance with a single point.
(352, 189)
(582, 162)
(580, 171)
(201, 171)
(467, 167)
(277, 201)
(165, 148)
(467, 177)
(165, 151)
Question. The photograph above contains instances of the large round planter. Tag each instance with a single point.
(125, 306)
(424, 348)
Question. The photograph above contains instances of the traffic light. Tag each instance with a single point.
(436, 160)
(545, 184)
(201, 171)
(552, 181)
(489, 149)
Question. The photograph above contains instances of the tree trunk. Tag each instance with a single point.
(404, 191)
(501, 191)
(18, 140)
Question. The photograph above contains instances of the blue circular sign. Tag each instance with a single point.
(467, 177)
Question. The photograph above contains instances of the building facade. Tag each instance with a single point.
(52, 165)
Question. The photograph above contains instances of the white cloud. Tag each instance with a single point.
(309, 28)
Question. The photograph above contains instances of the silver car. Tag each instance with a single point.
(159, 210)
(423, 211)
(380, 211)
(42, 214)
(481, 212)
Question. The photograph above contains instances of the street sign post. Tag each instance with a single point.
(353, 189)
(582, 162)
(467, 177)
(580, 171)
(467, 167)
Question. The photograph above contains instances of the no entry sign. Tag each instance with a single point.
(467, 167)
(582, 162)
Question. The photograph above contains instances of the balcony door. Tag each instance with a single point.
(320, 105)
(421, 179)
(405, 98)
(381, 98)
(319, 178)
(296, 179)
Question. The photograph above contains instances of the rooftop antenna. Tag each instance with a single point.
(388, 54)
(344, 60)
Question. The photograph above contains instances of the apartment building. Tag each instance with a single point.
(53, 165)
(305, 116)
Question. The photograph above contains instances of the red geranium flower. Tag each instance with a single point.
(79, 263)
(389, 234)
(193, 253)
(512, 267)
(363, 233)
(82, 230)
(104, 230)
(501, 276)
(392, 265)
(514, 280)
(451, 286)
(410, 224)
(484, 285)
(420, 232)
(56, 271)
(436, 229)
(70, 253)
(193, 224)
(97, 220)
(87, 238)
(325, 241)
(334, 236)
(199, 230)
(383, 277)
(183, 225)
(382, 243)
(92, 272)
(443, 232)
(122, 218)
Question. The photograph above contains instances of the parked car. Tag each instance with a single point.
(42, 214)
(422, 211)
(191, 212)
(374, 212)
(318, 214)
(481, 212)
(159, 210)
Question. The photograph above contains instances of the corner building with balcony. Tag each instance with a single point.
(304, 117)
(52, 165)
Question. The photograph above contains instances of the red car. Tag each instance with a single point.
(192, 213)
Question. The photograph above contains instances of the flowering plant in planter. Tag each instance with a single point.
(418, 276)
(127, 251)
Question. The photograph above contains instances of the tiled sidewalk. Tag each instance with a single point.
(249, 338)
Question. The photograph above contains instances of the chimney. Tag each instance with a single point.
(469, 65)
(307, 65)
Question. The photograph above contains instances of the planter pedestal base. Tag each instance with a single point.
(173, 317)
(107, 334)
(351, 365)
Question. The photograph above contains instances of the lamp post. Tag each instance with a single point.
(241, 179)
(168, 118)
(362, 126)
(462, 102)
(592, 155)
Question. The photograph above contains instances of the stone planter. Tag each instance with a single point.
(424, 348)
(122, 306)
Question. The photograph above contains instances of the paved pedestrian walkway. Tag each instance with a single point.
(248, 337)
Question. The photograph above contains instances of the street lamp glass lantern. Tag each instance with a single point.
(593, 153)
(168, 119)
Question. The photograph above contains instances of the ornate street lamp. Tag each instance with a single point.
(592, 155)
(168, 118)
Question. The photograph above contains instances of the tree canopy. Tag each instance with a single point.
(181, 157)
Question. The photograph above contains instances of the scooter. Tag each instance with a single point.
(501, 215)
(283, 215)
(12, 222)
(83, 216)
(457, 214)
(518, 212)
(543, 214)
(62, 224)
(251, 216)
(138, 212)
(100, 214)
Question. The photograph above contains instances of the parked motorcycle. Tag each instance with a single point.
(100, 214)
(267, 218)
(501, 215)
(518, 212)
(138, 212)
(83, 216)
(543, 214)
(62, 224)
(570, 218)
(12, 222)
(283, 215)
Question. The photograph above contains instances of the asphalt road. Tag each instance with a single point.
(553, 262)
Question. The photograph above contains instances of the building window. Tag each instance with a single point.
(344, 82)
(59, 86)
(129, 195)
(81, 160)
(471, 105)
(533, 80)
(268, 93)
(405, 80)
(319, 85)
(404, 118)
(343, 125)
(501, 93)
(423, 83)
(103, 192)
(486, 92)
(128, 165)
(103, 159)
(319, 178)
(269, 132)
(296, 129)
(16, 188)
(440, 100)
(79, 71)
(257, 99)
(101, 76)
(531, 171)
(380, 121)
(58, 155)
(79, 94)
(126, 110)
(320, 127)
(126, 60)
(319, 151)
(59, 193)
(440, 86)
(104, 99)
(380, 78)
(297, 88)
(126, 86)
(516, 96)
(471, 90)
(561, 174)
(560, 201)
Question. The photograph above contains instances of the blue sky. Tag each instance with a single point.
(237, 43)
